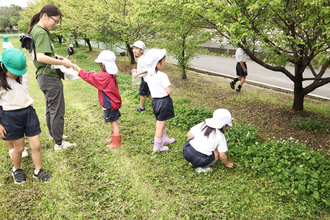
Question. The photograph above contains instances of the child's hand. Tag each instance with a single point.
(2, 132)
(230, 165)
(76, 68)
(93, 71)
(67, 63)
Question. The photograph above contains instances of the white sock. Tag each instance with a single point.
(15, 169)
(36, 172)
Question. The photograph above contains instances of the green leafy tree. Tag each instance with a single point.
(9, 16)
(174, 28)
(286, 31)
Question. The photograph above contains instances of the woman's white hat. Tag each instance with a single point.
(108, 58)
(221, 117)
(151, 59)
(139, 44)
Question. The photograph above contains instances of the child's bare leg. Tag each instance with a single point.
(10, 145)
(36, 151)
(160, 125)
(115, 127)
(242, 80)
(67, 56)
(142, 101)
(150, 97)
(17, 153)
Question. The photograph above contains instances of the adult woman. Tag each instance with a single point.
(49, 81)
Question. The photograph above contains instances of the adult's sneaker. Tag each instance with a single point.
(24, 153)
(42, 175)
(19, 176)
(64, 145)
(204, 170)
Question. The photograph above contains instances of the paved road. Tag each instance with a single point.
(256, 73)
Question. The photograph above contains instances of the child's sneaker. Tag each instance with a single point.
(74, 60)
(42, 175)
(140, 109)
(232, 85)
(19, 176)
(24, 153)
(64, 145)
(238, 89)
(204, 170)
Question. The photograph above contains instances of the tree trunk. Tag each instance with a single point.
(59, 39)
(298, 100)
(88, 43)
(130, 52)
(183, 58)
(77, 45)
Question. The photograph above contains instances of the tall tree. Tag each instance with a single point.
(287, 31)
(174, 28)
(9, 16)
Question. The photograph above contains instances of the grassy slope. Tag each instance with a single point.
(90, 181)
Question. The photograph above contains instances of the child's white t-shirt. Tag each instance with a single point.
(157, 84)
(6, 45)
(141, 66)
(240, 55)
(17, 97)
(206, 145)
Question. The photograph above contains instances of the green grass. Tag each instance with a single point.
(91, 182)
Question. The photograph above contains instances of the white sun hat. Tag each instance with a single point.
(108, 58)
(139, 44)
(221, 117)
(152, 58)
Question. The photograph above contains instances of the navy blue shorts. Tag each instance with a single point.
(20, 122)
(111, 115)
(163, 108)
(197, 159)
(72, 51)
(144, 88)
(239, 69)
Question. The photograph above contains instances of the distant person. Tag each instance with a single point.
(19, 117)
(108, 92)
(49, 81)
(241, 69)
(6, 44)
(141, 70)
(160, 88)
(207, 143)
(71, 52)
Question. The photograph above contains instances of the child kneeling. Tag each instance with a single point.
(19, 117)
(109, 97)
(207, 143)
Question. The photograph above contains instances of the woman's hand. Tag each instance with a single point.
(67, 63)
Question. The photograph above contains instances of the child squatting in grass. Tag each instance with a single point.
(108, 92)
(160, 88)
(19, 117)
(206, 142)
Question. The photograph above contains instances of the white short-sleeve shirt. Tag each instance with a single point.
(141, 66)
(206, 145)
(15, 98)
(157, 84)
(240, 55)
(6, 45)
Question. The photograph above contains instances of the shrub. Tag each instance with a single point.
(187, 117)
(311, 124)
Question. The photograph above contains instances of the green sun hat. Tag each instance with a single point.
(14, 60)
(5, 38)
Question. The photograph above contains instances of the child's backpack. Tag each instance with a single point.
(27, 43)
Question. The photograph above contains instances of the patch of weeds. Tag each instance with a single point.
(124, 79)
(311, 124)
(81, 57)
(187, 117)
(182, 100)
(305, 173)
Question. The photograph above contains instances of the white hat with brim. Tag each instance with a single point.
(108, 58)
(221, 117)
(139, 44)
(152, 58)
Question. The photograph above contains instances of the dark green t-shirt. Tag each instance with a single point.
(43, 44)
